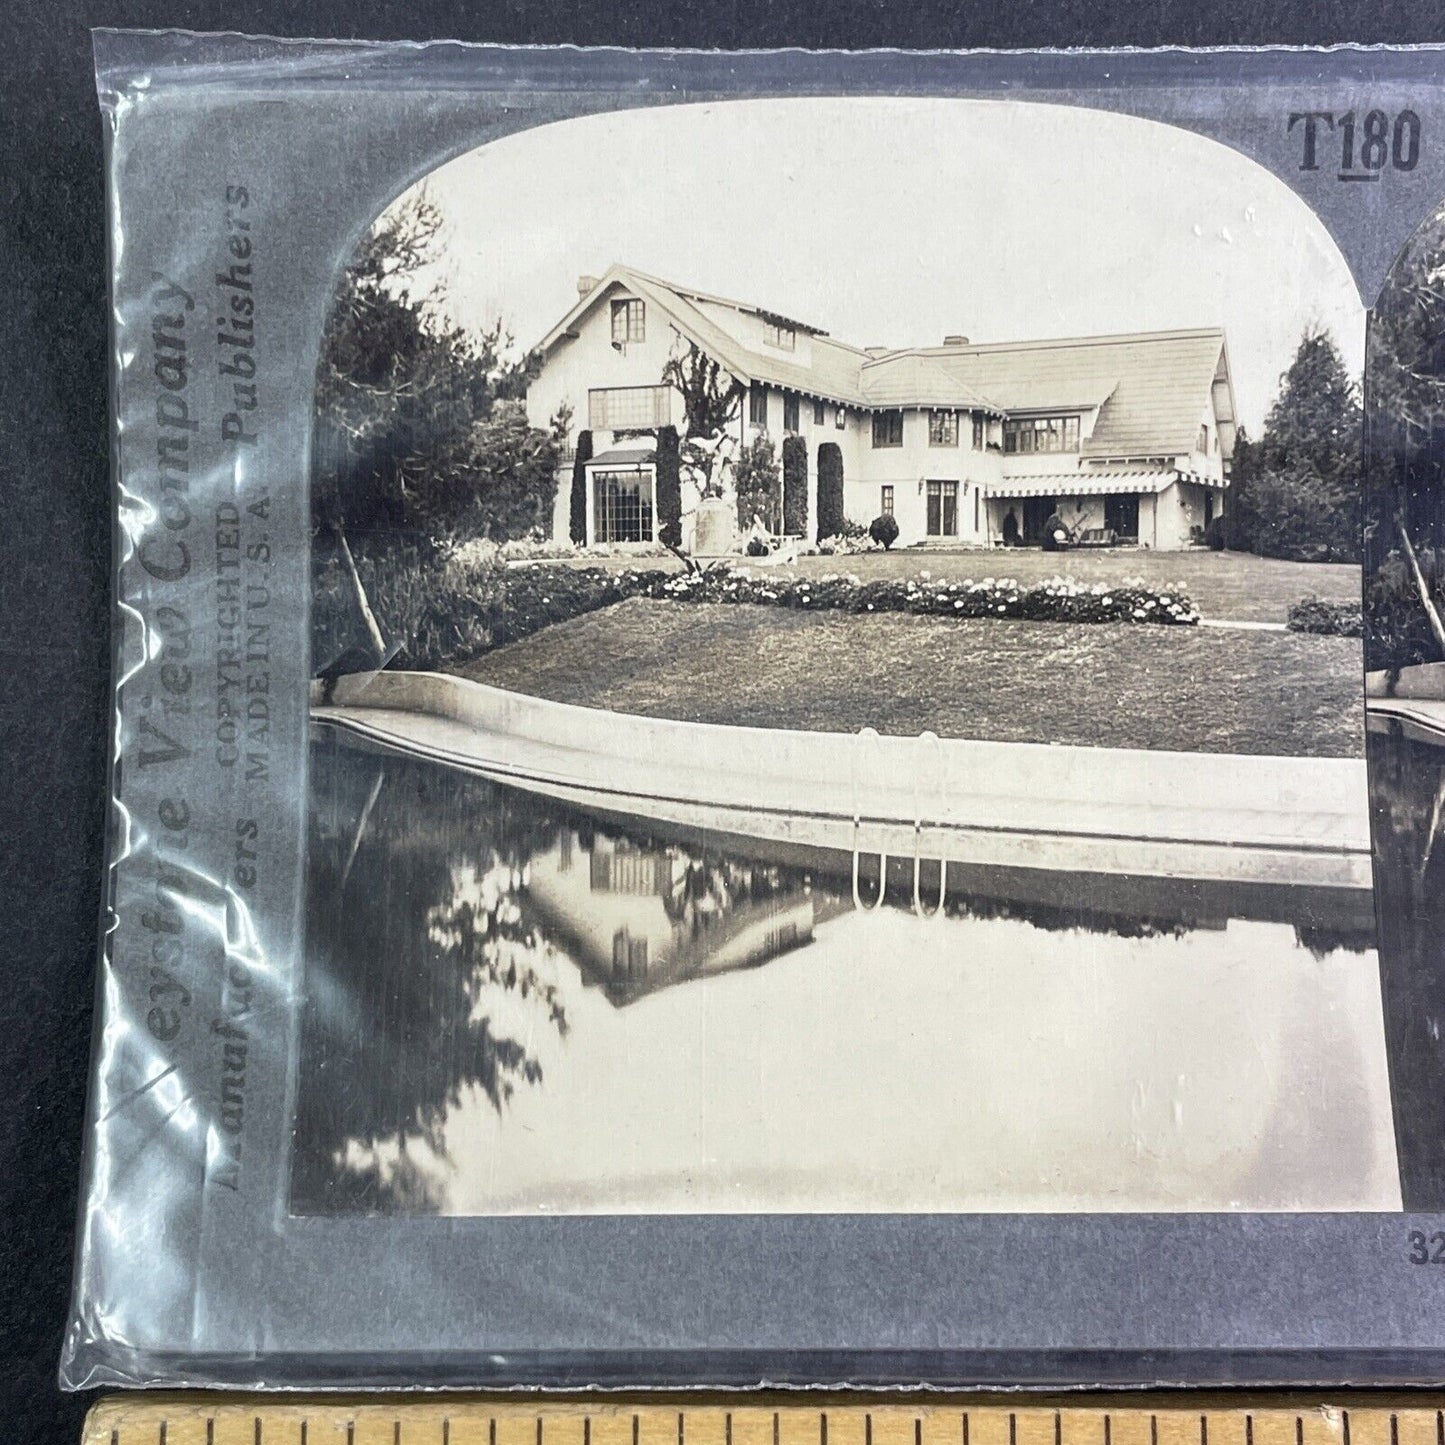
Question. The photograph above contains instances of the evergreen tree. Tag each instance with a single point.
(400, 391)
(1297, 491)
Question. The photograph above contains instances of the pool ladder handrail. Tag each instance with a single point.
(868, 737)
(927, 737)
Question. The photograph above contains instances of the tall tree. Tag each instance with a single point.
(1297, 491)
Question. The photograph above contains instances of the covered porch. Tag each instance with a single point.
(1101, 507)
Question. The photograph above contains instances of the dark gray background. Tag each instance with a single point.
(55, 529)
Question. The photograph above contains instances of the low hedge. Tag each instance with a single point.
(1326, 618)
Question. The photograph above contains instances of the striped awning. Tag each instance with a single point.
(1095, 482)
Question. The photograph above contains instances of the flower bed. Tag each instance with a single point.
(1326, 618)
(1058, 599)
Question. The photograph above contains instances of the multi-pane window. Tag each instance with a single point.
(978, 431)
(780, 336)
(820, 413)
(840, 418)
(622, 503)
(943, 509)
(888, 429)
(629, 321)
(628, 408)
(758, 405)
(791, 420)
(885, 501)
(943, 428)
(1041, 434)
(1203, 436)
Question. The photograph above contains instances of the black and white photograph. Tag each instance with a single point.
(838, 679)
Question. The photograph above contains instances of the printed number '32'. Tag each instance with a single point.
(1427, 1249)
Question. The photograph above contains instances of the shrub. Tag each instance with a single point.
(1294, 514)
(831, 521)
(1328, 619)
(755, 474)
(577, 512)
(795, 487)
(884, 530)
(669, 488)
(1216, 535)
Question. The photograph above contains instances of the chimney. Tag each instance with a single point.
(586, 285)
(955, 341)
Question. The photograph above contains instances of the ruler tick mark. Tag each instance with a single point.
(1058, 1428)
(729, 1428)
(775, 1428)
(1108, 1430)
(1204, 1430)
(1394, 1429)
(823, 1429)
(1249, 1430)
(636, 1429)
(1012, 1428)
(918, 1432)
(867, 1429)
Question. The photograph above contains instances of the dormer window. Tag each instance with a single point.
(777, 335)
(629, 321)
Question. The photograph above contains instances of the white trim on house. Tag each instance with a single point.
(1148, 416)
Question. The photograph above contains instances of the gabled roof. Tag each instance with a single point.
(1151, 388)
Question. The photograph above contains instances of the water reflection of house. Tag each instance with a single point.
(636, 918)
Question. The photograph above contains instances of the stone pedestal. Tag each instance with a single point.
(716, 529)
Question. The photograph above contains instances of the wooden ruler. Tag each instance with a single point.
(1340, 1417)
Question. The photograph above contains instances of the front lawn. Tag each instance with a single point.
(1103, 685)
(1233, 586)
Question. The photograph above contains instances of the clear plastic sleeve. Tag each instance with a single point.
(778, 718)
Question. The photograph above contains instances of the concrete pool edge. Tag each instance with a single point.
(1225, 817)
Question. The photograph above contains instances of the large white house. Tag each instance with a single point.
(1125, 435)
